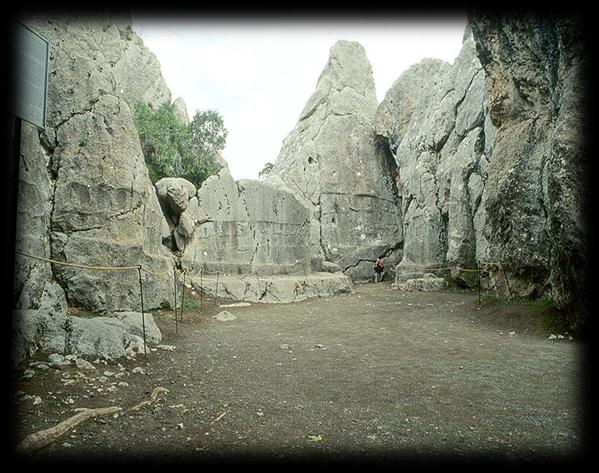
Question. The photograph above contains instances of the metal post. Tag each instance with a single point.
(201, 287)
(175, 291)
(506, 281)
(478, 273)
(216, 291)
(141, 297)
(182, 296)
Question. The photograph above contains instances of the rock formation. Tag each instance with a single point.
(461, 163)
(85, 196)
(432, 119)
(332, 163)
(174, 194)
(491, 158)
(537, 188)
(276, 289)
(237, 239)
(244, 227)
(180, 111)
(114, 336)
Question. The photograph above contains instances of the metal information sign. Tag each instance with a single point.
(31, 54)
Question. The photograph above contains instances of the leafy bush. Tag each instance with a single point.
(173, 149)
(266, 170)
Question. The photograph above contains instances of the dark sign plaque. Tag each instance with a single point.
(31, 80)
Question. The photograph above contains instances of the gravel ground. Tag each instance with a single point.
(375, 375)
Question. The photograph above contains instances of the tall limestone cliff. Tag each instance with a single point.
(432, 120)
(491, 158)
(537, 189)
(84, 192)
(332, 162)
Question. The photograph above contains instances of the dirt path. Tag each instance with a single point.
(375, 374)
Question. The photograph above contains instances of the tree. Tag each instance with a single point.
(173, 149)
(266, 170)
(208, 137)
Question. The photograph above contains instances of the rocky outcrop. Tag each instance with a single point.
(274, 289)
(537, 188)
(174, 194)
(180, 111)
(491, 158)
(34, 207)
(244, 227)
(115, 336)
(85, 196)
(432, 120)
(332, 163)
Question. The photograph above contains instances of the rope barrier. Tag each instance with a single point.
(143, 318)
(162, 273)
(94, 266)
(138, 268)
(81, 266)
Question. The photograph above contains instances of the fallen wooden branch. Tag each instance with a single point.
(155, 395)
(37, 441)
(43, 438)
(140, 405)
(218, 418)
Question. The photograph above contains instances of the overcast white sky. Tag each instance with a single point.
(259, 74)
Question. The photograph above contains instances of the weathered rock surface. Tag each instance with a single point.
(224, 316)
(491, 157)
(275, 288)
(34, 208)
(180, 111)
(174, 194)
(84, 192)
(114, 336)
(106, 212)
(427, 283)
(432, 120)
(537, 186)
(332, 163)
(245, 227)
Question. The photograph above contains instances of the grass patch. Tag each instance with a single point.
(81, 312)
(190, 304)
(556, 322)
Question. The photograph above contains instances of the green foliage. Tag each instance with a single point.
(173, 149)
(190, 304)
(266, 170)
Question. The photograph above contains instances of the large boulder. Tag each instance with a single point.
(174, 194)
(332, 163)
(115, 336)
